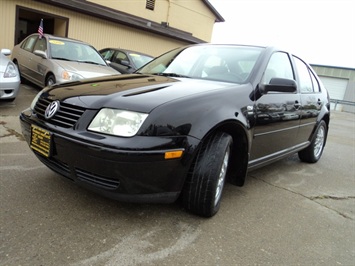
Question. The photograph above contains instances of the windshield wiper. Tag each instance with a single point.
(88, 62)
(61, 58)
(175, 75)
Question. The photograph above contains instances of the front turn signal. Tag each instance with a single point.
(173, 154)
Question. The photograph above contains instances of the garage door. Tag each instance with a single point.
(336, 88)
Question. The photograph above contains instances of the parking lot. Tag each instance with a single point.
(288, 213)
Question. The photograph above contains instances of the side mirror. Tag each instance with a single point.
(6, 51)
(125, 63)
(279, 85)
(275, 85)
(40, 54)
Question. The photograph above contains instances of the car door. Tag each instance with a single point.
(25, 57)
(311, 99)
(120, 62)
(277, 113)
(37, 64)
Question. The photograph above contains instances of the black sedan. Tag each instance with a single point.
(123, 60)
(182, 125)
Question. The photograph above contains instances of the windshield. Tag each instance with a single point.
(140, 60)
(213, 62)
(74, 51)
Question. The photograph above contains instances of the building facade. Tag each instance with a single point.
(149, 26)
(340, 83)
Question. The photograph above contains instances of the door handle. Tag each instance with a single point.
(297, 105)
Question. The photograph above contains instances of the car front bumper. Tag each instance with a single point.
(126, 175)
(9, 87)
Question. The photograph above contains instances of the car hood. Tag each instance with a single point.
(85, 69)
(136, 92)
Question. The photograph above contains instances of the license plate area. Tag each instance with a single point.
(41, 140)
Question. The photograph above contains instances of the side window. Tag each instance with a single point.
(30, 42)
(316, 86)
(107, 54)
(279, 66)
(305, 80)
(41, 45)
(122, 56)
(119, 57)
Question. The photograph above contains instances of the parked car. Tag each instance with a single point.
(50, 59)
(182, 125)
(125, 61)
(9, 77)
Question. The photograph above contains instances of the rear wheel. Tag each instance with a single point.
(314, 151)
(203, 189)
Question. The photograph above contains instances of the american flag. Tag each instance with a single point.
(40, 29)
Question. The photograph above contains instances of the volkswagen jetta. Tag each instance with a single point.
(182, 125)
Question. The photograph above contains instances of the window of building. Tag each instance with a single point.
(150, 4)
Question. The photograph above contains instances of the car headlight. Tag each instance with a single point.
(72, 76)
(11, 70)
(117, 122)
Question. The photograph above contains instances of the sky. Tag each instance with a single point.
(321, 32)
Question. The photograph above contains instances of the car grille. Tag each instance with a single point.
(56, 166)
(97, 180)
(93, 179)
(66, 116)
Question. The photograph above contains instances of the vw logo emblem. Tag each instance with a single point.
(51, 109)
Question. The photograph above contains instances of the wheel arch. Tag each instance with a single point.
(15, 61)
(240, 149)
(49, 73)
(326, 119)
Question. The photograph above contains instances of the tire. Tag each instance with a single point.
(314, 151)
(50, 80)
(23, 80)
(204, 185)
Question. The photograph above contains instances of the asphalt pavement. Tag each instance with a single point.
(288, 213)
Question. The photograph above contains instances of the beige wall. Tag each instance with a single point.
(7, 23)
(187, 15)
(192, 16)
(95, 31)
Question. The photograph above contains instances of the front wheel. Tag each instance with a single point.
(23, 80)
(50, 80)
(203, 189)
(314, 151)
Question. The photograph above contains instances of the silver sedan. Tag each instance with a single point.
(49, 59)
(9, 77)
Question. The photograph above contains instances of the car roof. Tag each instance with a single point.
(126, 50)
(50, 36)
(267, 48)
(228, 44)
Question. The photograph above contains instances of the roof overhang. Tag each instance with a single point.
(219, 18)
(129, 20)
